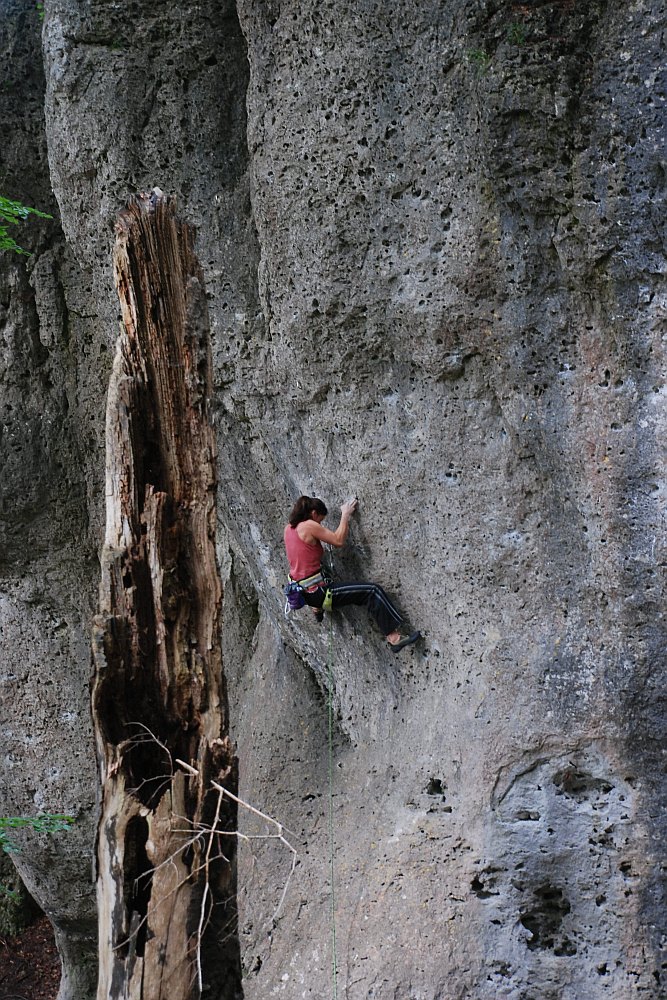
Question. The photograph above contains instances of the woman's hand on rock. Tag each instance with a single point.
(349, 507)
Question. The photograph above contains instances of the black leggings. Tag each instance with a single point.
(370, 594)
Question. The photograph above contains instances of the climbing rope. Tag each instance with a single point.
(330, 712)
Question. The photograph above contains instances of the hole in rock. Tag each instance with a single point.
(579, 784)
(479, 887)
(544, 919)
(435, 787)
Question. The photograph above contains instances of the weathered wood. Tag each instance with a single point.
(158, 690)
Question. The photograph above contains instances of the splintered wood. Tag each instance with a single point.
(158, 691)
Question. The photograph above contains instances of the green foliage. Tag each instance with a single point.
(44, 823)
(17, 902)
(40, 10)
(516, 33)
(17, 907)
(480, 59)
(11, 214)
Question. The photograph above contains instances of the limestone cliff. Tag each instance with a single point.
(432, 237)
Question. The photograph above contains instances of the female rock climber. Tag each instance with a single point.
(304, 535)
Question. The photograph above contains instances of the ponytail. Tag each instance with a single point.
(303, 508)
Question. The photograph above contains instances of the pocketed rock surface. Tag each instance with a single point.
(434, 249)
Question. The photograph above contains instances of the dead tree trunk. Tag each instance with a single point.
(158, 691)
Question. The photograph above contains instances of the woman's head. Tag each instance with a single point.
(303, 510)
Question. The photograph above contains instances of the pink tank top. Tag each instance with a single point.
(304, 559)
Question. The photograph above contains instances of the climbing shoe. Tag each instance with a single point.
(407, 640)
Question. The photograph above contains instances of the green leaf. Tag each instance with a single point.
(44, 823)
(12, 213)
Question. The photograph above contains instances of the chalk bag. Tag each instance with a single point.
(294, 595)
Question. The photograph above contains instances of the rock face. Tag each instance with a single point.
(50, 444)
(434, 250)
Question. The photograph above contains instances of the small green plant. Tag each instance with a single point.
(40, 10)
(516, 33)
(13, 915)
(12, 894)
(44, 823)
(12, 213)
(480, 59)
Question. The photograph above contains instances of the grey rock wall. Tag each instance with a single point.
(434, 248)
(461, 274)
(47, 551)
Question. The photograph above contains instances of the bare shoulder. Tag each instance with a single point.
(319, 533)
(304, 530)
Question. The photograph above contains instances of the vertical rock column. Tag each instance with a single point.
(166, 882)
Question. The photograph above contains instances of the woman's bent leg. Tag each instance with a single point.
(314, 598)
(373, 596)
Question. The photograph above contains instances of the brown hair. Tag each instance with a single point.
(304, 507)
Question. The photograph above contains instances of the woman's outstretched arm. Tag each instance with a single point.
(337, 537)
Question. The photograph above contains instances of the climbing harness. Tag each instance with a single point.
(316, 580)
(293, 591)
